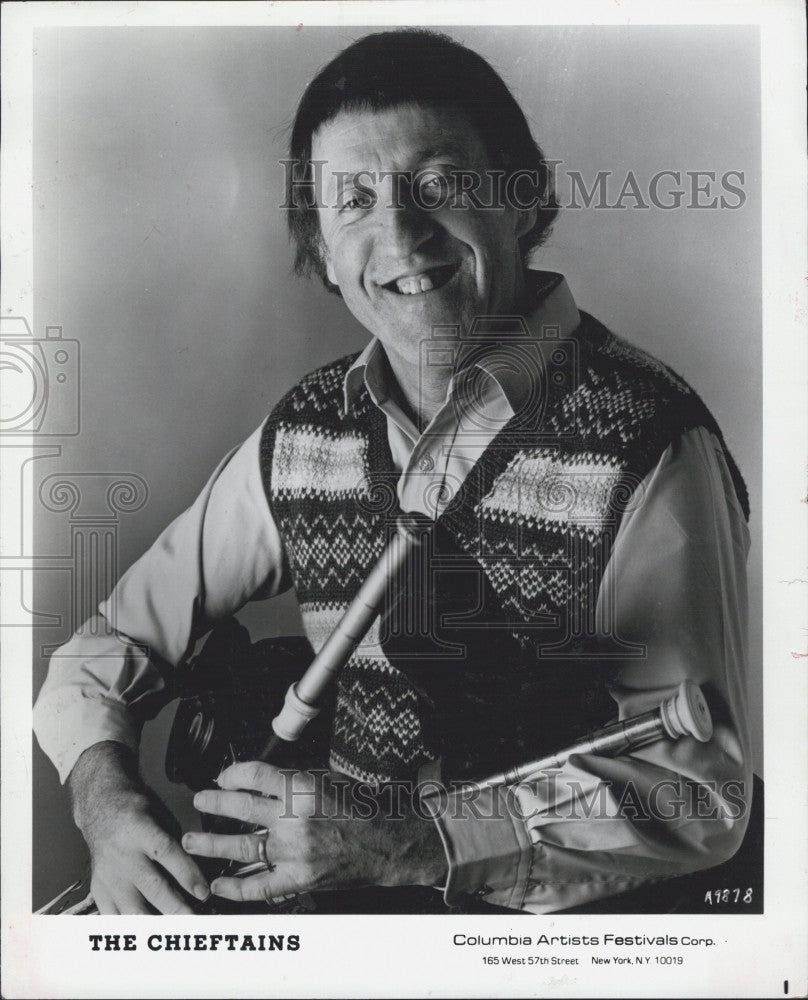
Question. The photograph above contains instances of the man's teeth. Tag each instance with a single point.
(415, 284)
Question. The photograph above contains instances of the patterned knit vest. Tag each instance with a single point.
(527, 538)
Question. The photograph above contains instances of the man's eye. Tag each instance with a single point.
(434, 185)
(355, 202)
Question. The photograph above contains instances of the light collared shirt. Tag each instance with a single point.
(482, 397)
(675, 582)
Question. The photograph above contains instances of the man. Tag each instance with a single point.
(587, 556)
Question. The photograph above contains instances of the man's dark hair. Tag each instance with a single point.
(411, 66)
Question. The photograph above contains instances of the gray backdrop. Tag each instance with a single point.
(159, 246)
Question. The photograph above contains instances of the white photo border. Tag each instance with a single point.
(398, 956)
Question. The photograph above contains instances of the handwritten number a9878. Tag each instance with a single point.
(721, 897)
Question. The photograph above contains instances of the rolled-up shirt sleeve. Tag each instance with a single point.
(221, 552)
(676, 585)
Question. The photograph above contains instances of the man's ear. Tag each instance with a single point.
(329, 270)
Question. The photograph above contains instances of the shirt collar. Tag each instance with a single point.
(554, 310)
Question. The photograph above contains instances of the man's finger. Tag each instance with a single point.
(255, 776)
(244, 806)
(272, 887)
(131, 901)
(103, 900)
(166, 852)
(245, 847)
(157, 891)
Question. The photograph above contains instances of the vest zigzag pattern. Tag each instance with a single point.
(536, 517)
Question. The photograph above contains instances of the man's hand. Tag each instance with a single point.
(137, 866)
(321, 835)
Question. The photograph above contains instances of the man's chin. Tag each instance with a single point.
(423, 312)
(424, 325)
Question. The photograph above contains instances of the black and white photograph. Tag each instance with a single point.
(404, 500)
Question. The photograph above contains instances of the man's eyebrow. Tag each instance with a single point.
(423, 155)
(438, 152)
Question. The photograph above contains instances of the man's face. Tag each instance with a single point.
(404, 268)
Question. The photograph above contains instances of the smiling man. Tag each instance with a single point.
(587, 552)
(409, 255)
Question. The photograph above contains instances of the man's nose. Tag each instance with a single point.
(405, 225)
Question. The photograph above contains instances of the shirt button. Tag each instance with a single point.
(426, 463)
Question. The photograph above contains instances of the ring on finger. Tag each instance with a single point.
(262, 856)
